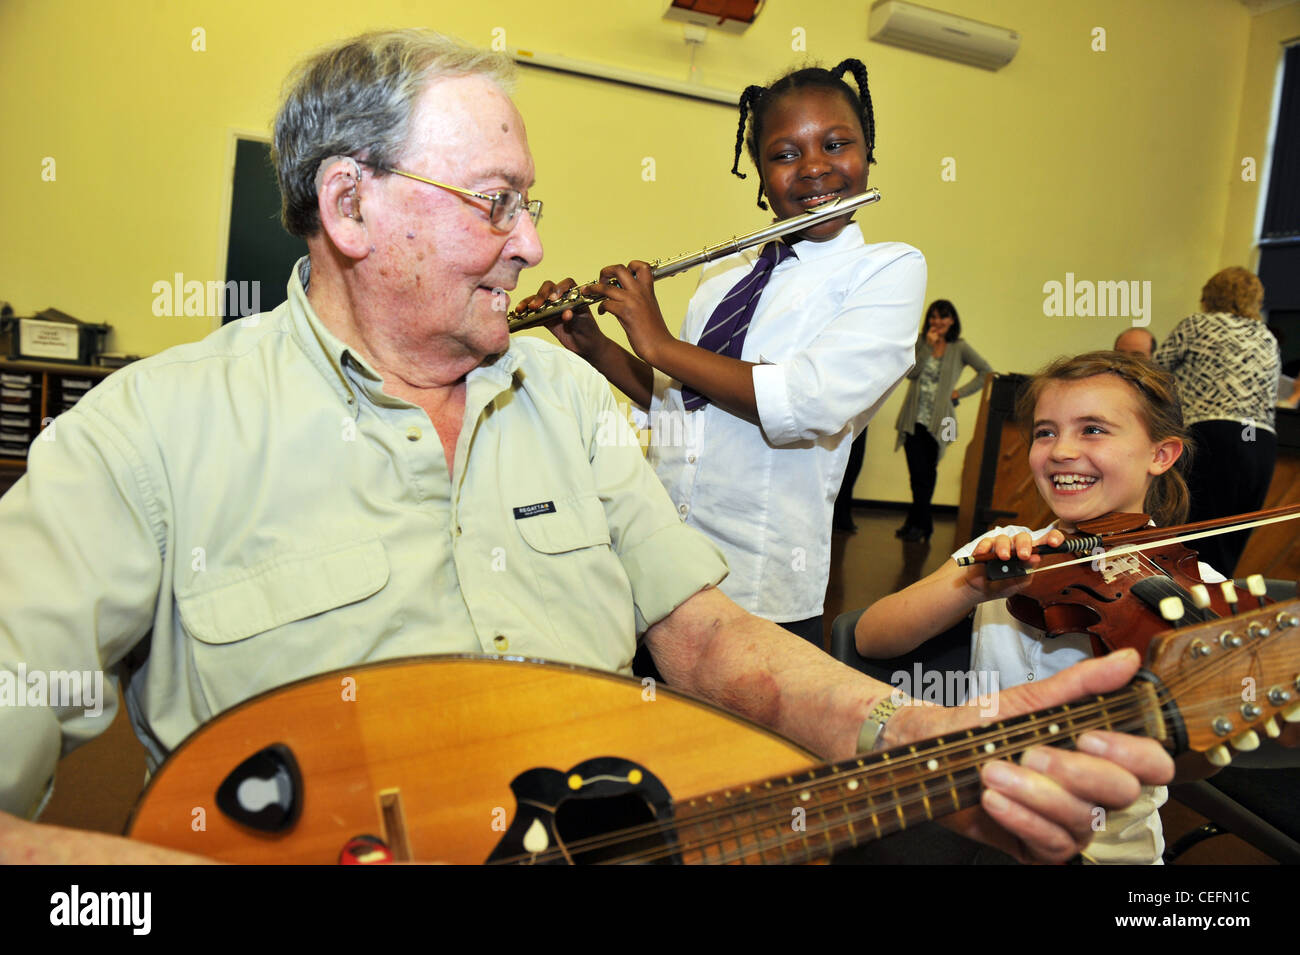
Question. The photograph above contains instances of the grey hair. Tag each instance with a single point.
(356, 99)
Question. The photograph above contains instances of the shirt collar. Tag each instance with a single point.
(333, 357)
(850, 237)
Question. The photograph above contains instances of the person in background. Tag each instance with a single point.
(925, 424)
(1227, 365)
(1136, 341)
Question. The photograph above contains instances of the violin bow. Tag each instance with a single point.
(1094, 546)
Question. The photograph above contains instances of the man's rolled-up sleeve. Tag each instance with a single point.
(853, 363)
(80, 566)
(666, 562)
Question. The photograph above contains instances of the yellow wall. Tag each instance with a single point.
(1113, 165)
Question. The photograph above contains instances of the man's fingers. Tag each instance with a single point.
(1144, 758)
(1088, 678)
(1041, 840)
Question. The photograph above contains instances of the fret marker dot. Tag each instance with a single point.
(932, 765)
(1054, 728)
(852, 784)
(989, 748)
(805, 795)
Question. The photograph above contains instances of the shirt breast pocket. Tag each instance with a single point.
(283, 589)
(257, 628)
(579, 578)
(576, 523)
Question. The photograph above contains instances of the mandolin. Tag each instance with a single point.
(480, 759)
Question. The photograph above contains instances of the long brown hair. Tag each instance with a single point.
(1167, 498)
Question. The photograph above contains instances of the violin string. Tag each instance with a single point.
(1198, 673)
(1151, 545)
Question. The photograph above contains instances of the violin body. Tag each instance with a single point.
(1115, 600)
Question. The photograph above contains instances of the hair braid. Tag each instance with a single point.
(868, 114)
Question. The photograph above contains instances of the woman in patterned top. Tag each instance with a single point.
(1226, 364)
(932, 391)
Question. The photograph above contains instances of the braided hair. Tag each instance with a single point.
(756, 100)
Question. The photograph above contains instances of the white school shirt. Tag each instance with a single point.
(834, 332)
(1019, 653)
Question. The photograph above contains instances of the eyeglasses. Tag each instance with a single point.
(505, 204)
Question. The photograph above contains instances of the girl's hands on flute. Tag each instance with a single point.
(632, 301)
(575, 329)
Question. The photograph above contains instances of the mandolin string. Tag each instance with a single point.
(1014, 739)
(1197, 673)
(781, 795)
(921, 788)
(954, 776)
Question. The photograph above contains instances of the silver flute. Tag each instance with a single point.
(522, 318)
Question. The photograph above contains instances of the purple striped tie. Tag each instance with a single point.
(726, 328)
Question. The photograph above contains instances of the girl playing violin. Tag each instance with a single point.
(1106, 434)
(781, 361)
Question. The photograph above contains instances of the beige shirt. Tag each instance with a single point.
(259, 505)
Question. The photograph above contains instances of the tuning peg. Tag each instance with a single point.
(1292, 713)
(1200, 596)
(1272, 729)
(1171, 608)
(1229, 592)
(1255, 584)
(1219, 756)
(1246, 741)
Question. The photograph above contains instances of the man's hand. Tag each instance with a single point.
(1042, 809)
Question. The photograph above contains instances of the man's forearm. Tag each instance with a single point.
(752, 667)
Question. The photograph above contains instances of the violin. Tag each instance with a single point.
(1122, 582)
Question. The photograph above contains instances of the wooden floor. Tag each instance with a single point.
(98, 782)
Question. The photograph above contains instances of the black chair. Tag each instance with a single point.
(949, 652)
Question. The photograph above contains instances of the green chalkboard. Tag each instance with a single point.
(260, 250)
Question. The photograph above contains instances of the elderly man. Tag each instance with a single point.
(375, 470)
(1136, 341)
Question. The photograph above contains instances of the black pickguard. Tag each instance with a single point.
(576, 817)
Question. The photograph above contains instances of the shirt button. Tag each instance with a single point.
(683, 508)
(412, 434)
(1030, 678)
(501, 643)
(690, 459)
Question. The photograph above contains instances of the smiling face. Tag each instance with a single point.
(813, 149)
(939, 323)
(1090, 452)
(437, 256)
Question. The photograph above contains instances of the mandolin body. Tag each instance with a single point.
(422, 753)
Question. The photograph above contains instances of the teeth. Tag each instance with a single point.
(1071, 480)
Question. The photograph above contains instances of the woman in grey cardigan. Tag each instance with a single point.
(926, 424)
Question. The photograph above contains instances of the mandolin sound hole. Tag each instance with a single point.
(595, 830)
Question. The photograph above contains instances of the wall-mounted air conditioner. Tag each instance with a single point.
(942, 34)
